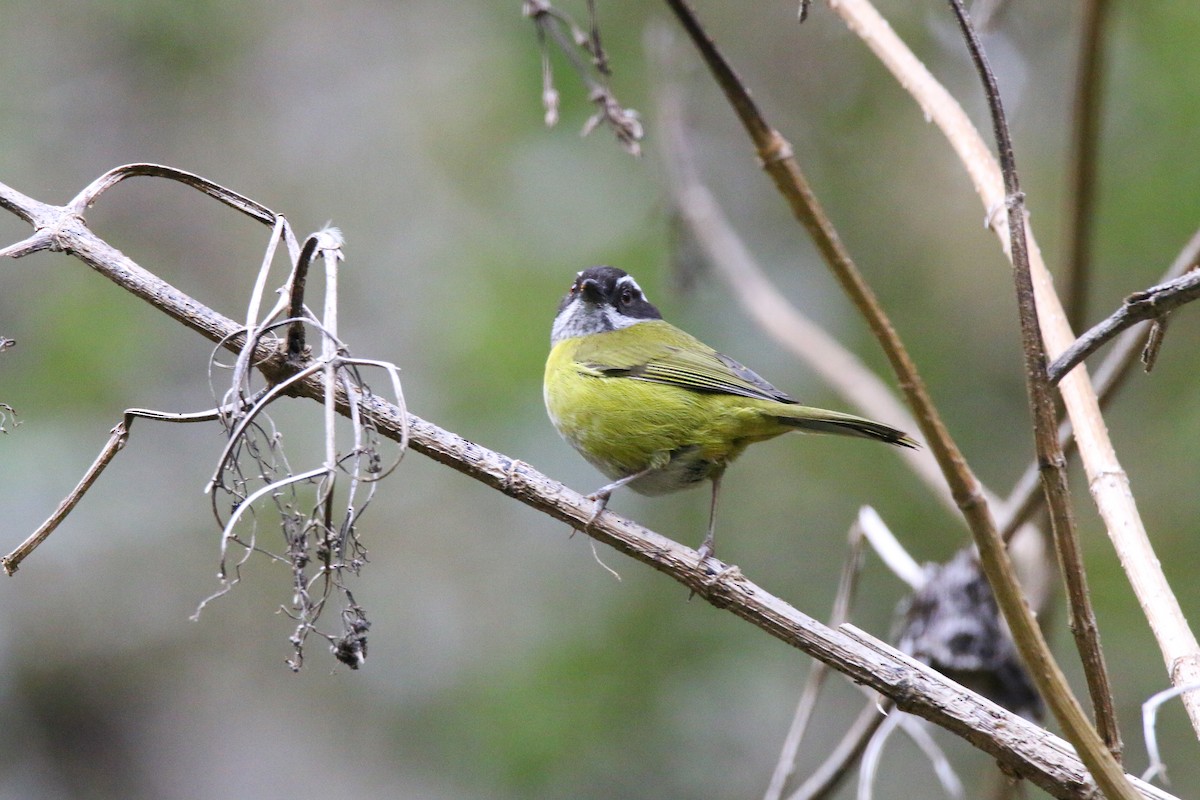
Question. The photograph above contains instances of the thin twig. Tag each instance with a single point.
(1157, 768)
(295, 311)
(248, 504)
(872, 753)
(837, 765)
(785, 766)
(1081, 180)
(246, 419)
(1152, 303)
(117, 439)
(1054, 469)
(280, 231)
(889, 549)
(1025, 496)
(624, 122)
(85, 199)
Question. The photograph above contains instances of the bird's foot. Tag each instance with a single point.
(706, 551)
(601, 499)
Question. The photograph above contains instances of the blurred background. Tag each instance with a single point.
(504, 661)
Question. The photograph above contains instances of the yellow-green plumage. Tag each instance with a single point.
(656, 409)
(630, 398)
(635, 422)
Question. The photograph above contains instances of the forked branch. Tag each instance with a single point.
(1154, 303)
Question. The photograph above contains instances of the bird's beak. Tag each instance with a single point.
(589, 289)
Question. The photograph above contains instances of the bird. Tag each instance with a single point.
(654, 408)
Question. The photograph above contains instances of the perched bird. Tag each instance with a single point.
(656, 409)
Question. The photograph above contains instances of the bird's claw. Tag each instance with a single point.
(601, 500)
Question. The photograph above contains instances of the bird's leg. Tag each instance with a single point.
(602, 494)
(708, 547)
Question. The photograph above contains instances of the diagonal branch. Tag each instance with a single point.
(729, 256)
(117, 438)
(1085, 135)
(1110, 376)
(1049, 452)
(1153, 303)
(775, 154)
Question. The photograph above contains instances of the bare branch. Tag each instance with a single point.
(732, 260)
(625, 122)
(1153, 303)
(888, 548)
(87, 198)
(1157, 768)
(1085, 135)
(117, 439)
(1025, 497)
(1053, 468)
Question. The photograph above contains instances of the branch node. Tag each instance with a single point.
(775, 150)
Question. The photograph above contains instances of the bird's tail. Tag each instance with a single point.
(817, 420)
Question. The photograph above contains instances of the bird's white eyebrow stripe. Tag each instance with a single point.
(629, 281)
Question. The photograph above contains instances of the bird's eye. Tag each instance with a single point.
(627, 296)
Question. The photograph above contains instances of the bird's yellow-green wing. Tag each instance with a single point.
(673, 357)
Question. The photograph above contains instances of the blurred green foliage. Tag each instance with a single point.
(504, 662)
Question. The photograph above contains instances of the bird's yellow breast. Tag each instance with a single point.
(623, 425)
